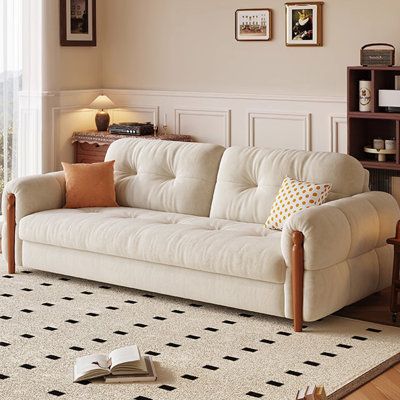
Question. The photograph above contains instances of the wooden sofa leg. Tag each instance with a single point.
(297, 280)
(11, 233)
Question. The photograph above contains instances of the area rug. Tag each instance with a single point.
(202, 352)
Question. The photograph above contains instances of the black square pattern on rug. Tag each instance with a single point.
(249, 349)
(27, 366)
(326, 354)
(26, 311)
(195, 305)
(344, 346)
(68, 298)
(2, 377)
(76, 348)
(228, 322)
(4, 344)
(71, 321)
(178, 311)
(158, 318)
(27, 336)
(87, 292)
(148, 295)
(374, 330)
(130, 302)
(210, 329)
(5, 317)
(168, 388)
(360, 338)
(210, 367)
(282, 333)
(267, 341)
(245, 315)
(254, 394)
(139, 325)
(25, 289)
(275, 383)
(92, 314)
(56, 393)
(64, 279)
(53, 357)
(50, 328)
(104, 287)
(152, 353)
(294, 373)
(312, 363)
(98, 340)
(112, 308)
(46, 284)
(189, 377)
(120, 333)
(6, 295)
(48, 304)
(231, 358)
(173, 345)
(142, 398)
(194, 337)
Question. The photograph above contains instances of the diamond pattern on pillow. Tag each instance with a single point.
(295, 196)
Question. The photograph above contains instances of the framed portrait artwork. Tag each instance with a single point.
(253, 24)
(78, 23)
(304, 24)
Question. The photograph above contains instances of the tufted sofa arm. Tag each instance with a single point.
(342, 229)
(32, 194)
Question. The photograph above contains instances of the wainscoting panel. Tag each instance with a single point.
(280, 130)
(274, 121)
(208, 126)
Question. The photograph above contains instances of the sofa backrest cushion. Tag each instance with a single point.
(249, 179)
(165, 176)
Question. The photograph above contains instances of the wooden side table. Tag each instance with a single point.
(394, 298)
(91, 146)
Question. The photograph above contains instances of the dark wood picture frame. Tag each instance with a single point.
(318, 28)
(269, 31)
(66, 36)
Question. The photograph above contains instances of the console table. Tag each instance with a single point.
(91, 146)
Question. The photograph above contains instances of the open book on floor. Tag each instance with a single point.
(121, 365)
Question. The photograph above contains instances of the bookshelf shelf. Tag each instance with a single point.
(364, 127)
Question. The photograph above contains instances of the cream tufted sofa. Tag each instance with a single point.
(191, 225)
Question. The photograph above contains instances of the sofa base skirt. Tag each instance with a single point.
(230, 291)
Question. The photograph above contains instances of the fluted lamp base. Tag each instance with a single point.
(102, 121)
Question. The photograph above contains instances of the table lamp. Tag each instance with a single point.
(102, 119)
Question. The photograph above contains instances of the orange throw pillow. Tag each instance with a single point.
(90, 185)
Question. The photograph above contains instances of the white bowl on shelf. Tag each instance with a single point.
(382, 153)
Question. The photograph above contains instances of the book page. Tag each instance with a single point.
(128, 354)
(93, 365)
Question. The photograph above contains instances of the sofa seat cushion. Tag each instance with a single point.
(213, 245)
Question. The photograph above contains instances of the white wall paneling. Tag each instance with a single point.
(210, 126)
(313, 123)
(338, 129)
(137, 114)
(279, 130)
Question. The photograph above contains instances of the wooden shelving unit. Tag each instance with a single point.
(363, 127)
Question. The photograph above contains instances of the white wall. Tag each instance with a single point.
(190, 46)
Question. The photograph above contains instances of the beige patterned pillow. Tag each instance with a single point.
(295, 196)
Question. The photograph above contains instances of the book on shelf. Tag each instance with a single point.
(124, 364)
(312, 392)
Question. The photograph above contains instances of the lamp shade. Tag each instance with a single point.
(102, 102)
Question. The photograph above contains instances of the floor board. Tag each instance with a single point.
(375, 308)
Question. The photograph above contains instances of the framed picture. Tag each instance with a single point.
(253, 24)
(304, 24)
(78, 23)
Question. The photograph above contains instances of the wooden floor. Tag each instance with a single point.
(376, 309)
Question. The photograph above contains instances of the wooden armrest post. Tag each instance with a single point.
(297, 280)
(394, 304)
(11, 233)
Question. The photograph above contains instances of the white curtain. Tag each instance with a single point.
(20, 88)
